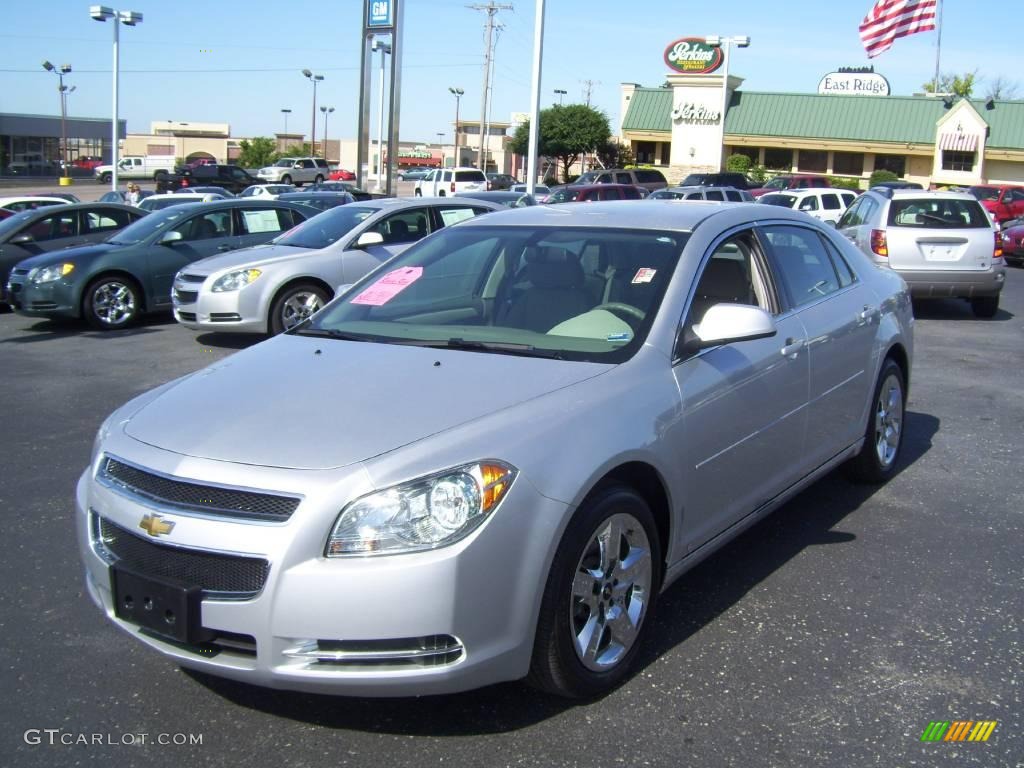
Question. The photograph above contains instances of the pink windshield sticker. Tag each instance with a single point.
(389, 286)
(644, 275)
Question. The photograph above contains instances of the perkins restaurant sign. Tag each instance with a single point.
(692, 56)
(853, 83)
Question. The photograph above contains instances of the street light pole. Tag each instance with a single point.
(560, 93)
(385, 49)
(326, 111)
(62, 89)
(313, 79)
(286, 112)
(129, 19)
(741, 41)
(457, 93)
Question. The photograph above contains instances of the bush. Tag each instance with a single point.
(758, 174)
(845, 182)
(737, 163)
(878, 176)
(571, 177)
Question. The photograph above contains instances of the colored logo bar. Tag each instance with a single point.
(959, 730)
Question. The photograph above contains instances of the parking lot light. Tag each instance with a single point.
(313, 78)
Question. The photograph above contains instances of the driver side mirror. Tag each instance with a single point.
(726, 324)
(172, 237)
(370, 238)
(22, 239)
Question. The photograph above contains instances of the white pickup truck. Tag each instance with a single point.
(136, 167)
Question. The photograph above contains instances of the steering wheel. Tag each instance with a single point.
(626, 309)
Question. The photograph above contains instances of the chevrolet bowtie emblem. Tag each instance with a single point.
(155, 525)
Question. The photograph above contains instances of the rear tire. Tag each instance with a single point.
(985, 307)
(599, 597)
(418, 193)
(883, 436)
(111, 303)
(319, 179)
(295, 304)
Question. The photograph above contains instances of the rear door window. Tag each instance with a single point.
(55, 227)
(802, 263)
(105, 220)
(623, 178)
(715, 194)
(611, 193)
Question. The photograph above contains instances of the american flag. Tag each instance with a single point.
(890, 19)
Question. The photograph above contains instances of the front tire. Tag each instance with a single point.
(599, 597)
(883, 436)
(418, 192)
(294, 305)
(111, 303)
(286, 179)
(104, 178)
(985, 307)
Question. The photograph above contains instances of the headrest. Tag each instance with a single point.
(554, 268)
(723, 278)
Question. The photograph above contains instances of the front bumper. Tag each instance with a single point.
(56, 299)
(476, 600)
(201, 309)
(954, 284)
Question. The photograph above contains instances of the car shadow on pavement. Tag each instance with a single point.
(953, 309)
(690, 604)
(230, 340)
(66, 327)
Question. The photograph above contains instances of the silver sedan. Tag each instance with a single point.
(271, 289)
(489, 457)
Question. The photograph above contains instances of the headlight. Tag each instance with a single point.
(428, 513)
(51, 273)
(236, 280)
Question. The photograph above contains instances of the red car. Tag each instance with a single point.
(6, 213)
(1002, 201)
(1013, 242)
(341, 175)
(788, 181)
(87, 163)
(588, 193)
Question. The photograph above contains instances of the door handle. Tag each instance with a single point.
(792, 348)
(867, 314)
(223, 248)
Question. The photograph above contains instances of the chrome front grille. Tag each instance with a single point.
(429, 651)
(195, 497)
(185, 278)
(236, 576)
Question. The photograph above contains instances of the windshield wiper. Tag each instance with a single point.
(501, 347)
(331, 333)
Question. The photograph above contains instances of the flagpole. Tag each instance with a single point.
(938, 47)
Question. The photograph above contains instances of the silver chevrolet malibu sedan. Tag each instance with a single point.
(487, 459)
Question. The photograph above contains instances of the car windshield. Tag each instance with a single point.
(785, 201)
(776, 183)
(329, 227)
(694, 180)
(938, 213)
(285, 162)
(540, 291)
(985, 193)
(563, 195)
(147, 225)
(590, 177)
(13, 222)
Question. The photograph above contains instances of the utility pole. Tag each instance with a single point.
(588, 86)
(491, 9)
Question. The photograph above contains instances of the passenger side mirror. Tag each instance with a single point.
(170, 238)
(727, 324)
(370, 238)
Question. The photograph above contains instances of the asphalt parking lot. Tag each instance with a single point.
(832, 633)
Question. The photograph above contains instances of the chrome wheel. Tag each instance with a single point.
(299, 307)
(113, 303)
(888, 420)
(610, 592)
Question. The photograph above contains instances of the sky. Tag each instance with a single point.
(240, 61)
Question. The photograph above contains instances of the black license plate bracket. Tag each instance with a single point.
(167, 608)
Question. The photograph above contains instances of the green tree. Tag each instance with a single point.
(882, 175)
(257, 152)
(296, 150)
(958, 85)
(737, 163)
(615, 155)
(566, 132)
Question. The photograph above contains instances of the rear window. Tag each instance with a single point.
(938, 214)
(648, 177)
(470, 176)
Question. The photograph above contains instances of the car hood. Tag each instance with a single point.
(79, 254)
(311, 403)
(256, 257)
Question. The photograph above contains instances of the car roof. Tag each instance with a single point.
(588, 187)
(327, 194)
(51, 209)
(668, 215)
(31, 198)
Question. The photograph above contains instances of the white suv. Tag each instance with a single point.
(942, 243)
(824, 204)
(295, 170)
(442, 182)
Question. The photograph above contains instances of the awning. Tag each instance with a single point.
(959, 142)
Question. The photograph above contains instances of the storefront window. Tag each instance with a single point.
(778, 159)
(750, 152)
(957, 161)
(645, 152)
(848, 163)
(895, 163)
(813, 161)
